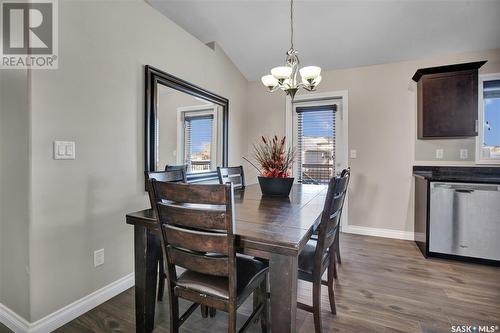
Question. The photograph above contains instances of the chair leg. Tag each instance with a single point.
(212, 312)
(161, 279)
(231, 321)
(332, 273)
(317, 304)
(204, 311)
(256, 302)
(265, 310)
(174, 313)
(333, 264)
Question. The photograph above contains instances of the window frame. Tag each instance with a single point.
(480, 127)
(199, 110)
(313, 103)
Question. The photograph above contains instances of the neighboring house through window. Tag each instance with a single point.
(488, 141)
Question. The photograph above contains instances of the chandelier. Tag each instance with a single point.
(285, 77)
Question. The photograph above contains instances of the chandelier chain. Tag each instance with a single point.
(291, 23)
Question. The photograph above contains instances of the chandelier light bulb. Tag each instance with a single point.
(317, 80)
(269, 81)
(310, 72)
(282, 72)
(287, 84)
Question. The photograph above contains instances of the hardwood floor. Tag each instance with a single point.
(384, 285)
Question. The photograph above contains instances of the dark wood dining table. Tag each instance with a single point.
(273, 228)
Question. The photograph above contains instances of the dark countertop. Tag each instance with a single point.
(458, 174)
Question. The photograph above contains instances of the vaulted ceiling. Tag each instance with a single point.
(337, 34)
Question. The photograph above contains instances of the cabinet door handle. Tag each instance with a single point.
(464, 191)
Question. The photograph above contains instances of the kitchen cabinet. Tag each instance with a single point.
(447, 100)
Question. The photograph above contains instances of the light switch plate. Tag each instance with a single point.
(464, 154)
(64, 150)
(439, 154)
(354, 153)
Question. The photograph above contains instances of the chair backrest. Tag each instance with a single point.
(196, 223)
(330, 218)
(344, 173)
(183, 167)
(232, 175)
(172, 176)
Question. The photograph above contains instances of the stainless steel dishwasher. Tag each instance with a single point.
(465, 219)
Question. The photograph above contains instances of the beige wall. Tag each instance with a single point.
(382, 128)
(14, 190)
(96, 99)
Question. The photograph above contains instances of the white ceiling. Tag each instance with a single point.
(337, 34)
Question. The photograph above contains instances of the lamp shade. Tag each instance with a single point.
(310, 72)
(282, 72)
(269, 81)
(317, 80)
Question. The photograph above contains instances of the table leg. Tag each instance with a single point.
(146, 245)
(283, 285)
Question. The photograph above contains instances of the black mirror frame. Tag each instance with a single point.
(153, 77)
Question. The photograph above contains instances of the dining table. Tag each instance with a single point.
(272, 228)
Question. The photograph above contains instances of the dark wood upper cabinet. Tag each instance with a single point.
(447, 100)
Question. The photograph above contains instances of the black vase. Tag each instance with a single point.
(278, 187)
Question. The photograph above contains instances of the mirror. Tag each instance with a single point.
(185, 125)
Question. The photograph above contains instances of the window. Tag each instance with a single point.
(488, 148)
(315, 137)
(199, 140)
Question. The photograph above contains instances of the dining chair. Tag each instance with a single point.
(175, 175)
(318, 256)
(196, 224)
(345, 172)
(233, 175)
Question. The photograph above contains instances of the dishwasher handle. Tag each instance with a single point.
(468, 188)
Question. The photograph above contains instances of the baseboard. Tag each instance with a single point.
(67, 313)
(378, 232)
(12, 320)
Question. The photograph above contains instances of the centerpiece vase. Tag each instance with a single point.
(278, 187)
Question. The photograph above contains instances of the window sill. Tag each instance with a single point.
(488, 162)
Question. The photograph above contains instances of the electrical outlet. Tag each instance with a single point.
(439, 154)
(464, 154)
(354, 153)
(98, 257)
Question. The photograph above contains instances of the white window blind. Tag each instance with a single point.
(198, 137)
(316, 143)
